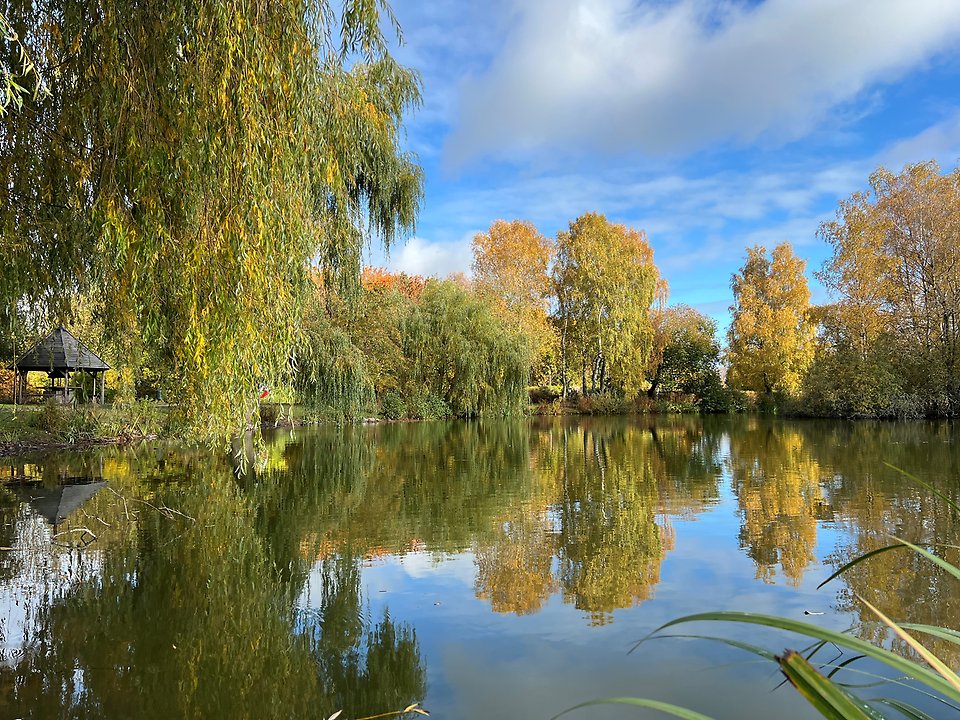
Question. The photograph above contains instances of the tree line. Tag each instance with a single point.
(889, 343)
(193, 184)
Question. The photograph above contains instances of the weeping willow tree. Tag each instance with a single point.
(459, 351)
(433, 350)
(188, 165)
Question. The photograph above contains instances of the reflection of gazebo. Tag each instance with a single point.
(54, 504)
(58, 355)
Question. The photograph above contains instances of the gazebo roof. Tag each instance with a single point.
(60, 350)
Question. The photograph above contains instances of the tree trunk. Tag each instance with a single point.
(563, 359)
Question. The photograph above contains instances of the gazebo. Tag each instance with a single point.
(58, 355)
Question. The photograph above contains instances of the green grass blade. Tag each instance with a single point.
(665, 708)
(928, 486)
(908, 711)
(898, 681)
(899, 545)
(902, 665)
(842, 665)
(943, 633)
(830, 700)
(762, 652)
(935, 559)
(859, 559)
(936, 663)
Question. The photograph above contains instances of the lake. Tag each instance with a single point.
(486, 569)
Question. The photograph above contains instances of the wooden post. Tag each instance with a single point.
(103, 382)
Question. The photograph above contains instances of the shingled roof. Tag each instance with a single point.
(60, 350)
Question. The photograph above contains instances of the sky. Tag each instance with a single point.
(713, 125)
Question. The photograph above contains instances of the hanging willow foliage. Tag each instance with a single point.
(332, 374)
(189, 163)
(460, 351)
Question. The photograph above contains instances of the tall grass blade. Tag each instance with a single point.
(908, 711)
(927, 485)
(830, 700)
(934, 662)
(935, 559)
(900, 664)
(762, 652)
(665, 708)
(844, 664)
(859, 559)
(942, 633)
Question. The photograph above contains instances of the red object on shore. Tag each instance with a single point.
(264, 393)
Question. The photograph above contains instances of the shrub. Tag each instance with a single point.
(81, 425)
(543, 394)
(604, 403)
(392, 406)
(427, 406)
(52, 418)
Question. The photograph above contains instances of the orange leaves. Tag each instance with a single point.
(381, 279)
(510, 268)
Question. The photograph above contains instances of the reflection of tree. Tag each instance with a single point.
(188, 619)
(777, 483)
(364, 670)
(876, 502)
(610, 547)
(515, 573)
(597, 490)
(543, 508)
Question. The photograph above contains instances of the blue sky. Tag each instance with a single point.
(711, 124)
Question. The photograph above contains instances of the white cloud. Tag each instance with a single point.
(422, 257)
(673, 77)
(939, 142)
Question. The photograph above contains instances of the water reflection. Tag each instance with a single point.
(187, 614)
(777, 483)
(876, 502)
(210, 594)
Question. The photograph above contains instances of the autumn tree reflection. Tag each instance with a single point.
(777, 483)
(874, 502)
(596, 527)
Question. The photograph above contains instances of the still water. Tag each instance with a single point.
(482, 570)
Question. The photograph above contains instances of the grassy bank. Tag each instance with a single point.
(34, 427)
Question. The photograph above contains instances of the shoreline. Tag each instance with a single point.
(15, 448)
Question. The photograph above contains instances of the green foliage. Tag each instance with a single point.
(189, 164)
(684, 349)
(427, 406)
(844, 382)
(685, 359)
(712, 396)
(605, 282)
(16, 67)
(440, 353)
(392, 406)
(331, 372)
(462, 353)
